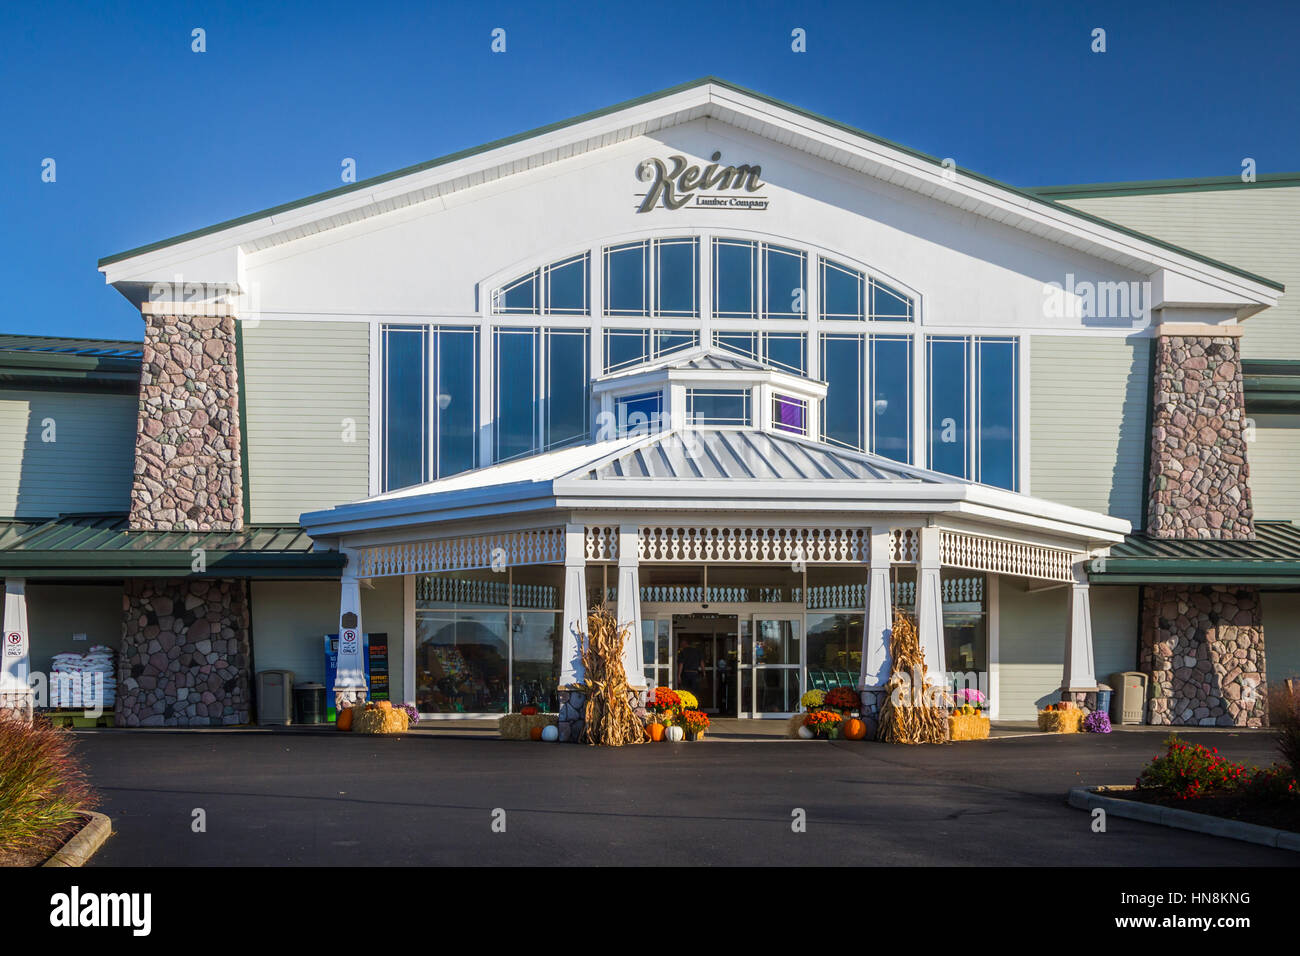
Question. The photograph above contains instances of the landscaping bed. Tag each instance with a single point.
(1242, 807)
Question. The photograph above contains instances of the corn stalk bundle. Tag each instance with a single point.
(611, 719)
(904, 716)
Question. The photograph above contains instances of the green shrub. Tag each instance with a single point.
(43, 787)
(1187, 771)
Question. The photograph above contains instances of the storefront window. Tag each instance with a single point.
(834, 650)
(535, 637)
(462, 661)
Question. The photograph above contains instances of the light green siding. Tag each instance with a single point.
(1031, 642)
(291, 619)
(1253, 229)
(1087, 422)
(1281, 635)
(55, 612)
(306, 392)
(65, 452)
(1274, 458)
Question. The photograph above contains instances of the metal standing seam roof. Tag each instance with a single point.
(90, 348)
(1271, 557)
(102, 545)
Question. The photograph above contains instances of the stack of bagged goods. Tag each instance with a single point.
(76, 680)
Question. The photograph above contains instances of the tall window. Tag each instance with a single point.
(653, 277)
(559, 288)
(868, 403)
(429, 401)
(541, 398)
(972, 427)
(742, 269)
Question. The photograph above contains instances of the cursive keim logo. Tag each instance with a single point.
(675, 187)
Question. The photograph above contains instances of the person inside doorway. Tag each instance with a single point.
(689, 664)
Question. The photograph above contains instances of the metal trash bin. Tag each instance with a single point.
(309, 704)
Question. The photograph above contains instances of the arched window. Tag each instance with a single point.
(847, 293)
(556, 289)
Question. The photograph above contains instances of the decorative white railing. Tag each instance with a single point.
(904, 545)
(503, 550)
(976, 553)
(669, 543)
(602, 543)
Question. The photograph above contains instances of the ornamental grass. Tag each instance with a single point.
(611, 720)
(43, 787)
(1284, 718)
(906, 716)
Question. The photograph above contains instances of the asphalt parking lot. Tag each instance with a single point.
(271, 798)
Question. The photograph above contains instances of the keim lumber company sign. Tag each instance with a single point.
(687, 185)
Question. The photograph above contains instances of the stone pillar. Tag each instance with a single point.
(187, 464)
(1079, 675)
(629, 604)
(1202, 645)
(185, 653)
(572, 701)
(15, 691)
(880, 622)
(349, 674)
(929, 606)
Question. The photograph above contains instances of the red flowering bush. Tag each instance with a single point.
(1274, 785)
(1187, 771)
(823, 723)
(843, 698)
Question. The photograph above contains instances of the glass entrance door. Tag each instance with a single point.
(704, 660)
(770, 663)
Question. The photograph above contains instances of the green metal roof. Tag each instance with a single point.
(1152, 187)
(596, 114)
(1272, 557)
(103, 546)
(43, 361)
(1272, 385)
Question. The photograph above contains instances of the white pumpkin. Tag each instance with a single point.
(550, 732)
(674, 733)
(805, 733)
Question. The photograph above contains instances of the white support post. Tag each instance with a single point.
(15, 693)
(349, 674)
(880, 614)
(574, 622)
(1079, 669)
(929, 606)
(629, 604)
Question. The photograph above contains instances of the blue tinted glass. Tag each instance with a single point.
(841, 292)
(842, 368)
(948, 413)
(625, 279)
(456, 401)
(785, 282)
(998, 407)
(516, 363)
(744, 343)
(406, 419)
(567, 287)
(670, 341)
(733, 278)
(566, 376)
(625, 347)
(886, 303)
(520, 296)
(640, 414)
(788, 352)
(718, 407)
(678, 272)
(891, 397)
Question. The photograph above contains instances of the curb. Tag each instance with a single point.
(84, 842)
(1085, 798)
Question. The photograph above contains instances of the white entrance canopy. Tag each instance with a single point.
(726, 495)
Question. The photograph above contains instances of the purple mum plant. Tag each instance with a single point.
(412, 713)
(1098, 722)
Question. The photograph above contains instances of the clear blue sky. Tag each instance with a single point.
(151, 139)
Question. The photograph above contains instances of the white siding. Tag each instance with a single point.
(1274, 458)
(1281, 635)
(88, 465)
(1087, 422)
(1251, 228)
(1031, 641)
(303, 383)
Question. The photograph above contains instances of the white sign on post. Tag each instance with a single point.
(13, 660)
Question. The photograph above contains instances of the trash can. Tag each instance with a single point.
(309, 704)
(1104, 692)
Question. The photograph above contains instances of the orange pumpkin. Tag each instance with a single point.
(344, 719)
(656, 732)
(853, 729)
(535, 733)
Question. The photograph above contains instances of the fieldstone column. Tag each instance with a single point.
(629, 604)
(187, 465)
(880, 624)
(15, 692)
(929, 605)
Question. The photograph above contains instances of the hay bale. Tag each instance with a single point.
(1061, 721)
(379, 721)
(968, 727)
(793, 724)
(519, 726)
